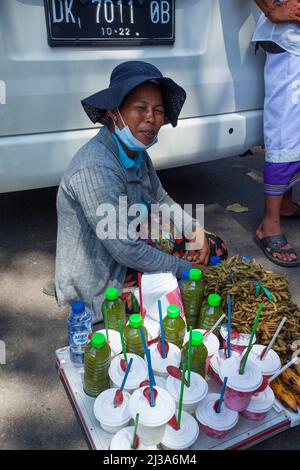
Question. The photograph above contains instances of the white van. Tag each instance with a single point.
(53, 53)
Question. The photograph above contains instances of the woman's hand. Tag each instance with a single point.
(200, 255)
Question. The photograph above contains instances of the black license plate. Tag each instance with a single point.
(110, 22)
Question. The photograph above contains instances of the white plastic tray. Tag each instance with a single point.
(246, 434)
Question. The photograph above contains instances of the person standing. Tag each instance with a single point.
(278, 33)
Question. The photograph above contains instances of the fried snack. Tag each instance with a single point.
(284, 395)
(239, 277)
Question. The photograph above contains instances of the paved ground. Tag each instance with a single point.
(34, 410)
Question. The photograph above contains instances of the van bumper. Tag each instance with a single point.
(39, 160)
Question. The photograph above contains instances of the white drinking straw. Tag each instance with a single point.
(214, 327)
(274, 338)
(289, 364)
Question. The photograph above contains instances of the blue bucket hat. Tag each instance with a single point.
(124, 78)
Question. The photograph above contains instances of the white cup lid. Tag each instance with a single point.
(261, 402)
(219, 358)
(212, 343)
(185, 436)
(249, 381)
(123, 438)
(114, 341)
(158, 415)
(241, 340)
(159, 364)
(206, 415)
(137, 373)
(192, 394)
(106, 413)
(152, 327)
(270, 364)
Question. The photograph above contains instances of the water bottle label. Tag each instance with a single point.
(80, 339)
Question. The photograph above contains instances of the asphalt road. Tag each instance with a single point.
(35, 412)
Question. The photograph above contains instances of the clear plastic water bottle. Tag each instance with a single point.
(79, 328)
(185, 273)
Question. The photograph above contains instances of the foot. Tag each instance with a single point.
(49, 288)
(268, 231)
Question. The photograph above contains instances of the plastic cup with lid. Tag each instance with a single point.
(260, 405)
(239, 341)
(212, 345)
(213, 424)
(159, 364)
(152, 420)
(184, 437)
(240, 387)
(215, 363)
(112, 418)
(123, 439)
(192, 395)
(268, 366)
(138, 372)
(114, 341)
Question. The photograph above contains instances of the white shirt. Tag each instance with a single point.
(286, 35)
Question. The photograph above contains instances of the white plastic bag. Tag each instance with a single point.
(163, 287)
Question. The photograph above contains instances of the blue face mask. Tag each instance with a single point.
(128, 139)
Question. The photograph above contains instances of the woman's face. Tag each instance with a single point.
(143, 111)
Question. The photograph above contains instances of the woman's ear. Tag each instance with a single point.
(112, 115)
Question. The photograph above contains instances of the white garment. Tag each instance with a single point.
(286, 35)
(282, 108)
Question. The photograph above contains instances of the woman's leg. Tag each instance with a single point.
(270, 225)
(288, 207)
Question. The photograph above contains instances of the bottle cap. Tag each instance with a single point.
(214, 260)
(98, 340)
(185, 274)
(214, 300)
(195, 274)
(78, 307)
(111, 293)
(173, 311)
(247, 258)
(135, 320)
(197, 338)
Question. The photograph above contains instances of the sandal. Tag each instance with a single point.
(295, 215)
(275, 243)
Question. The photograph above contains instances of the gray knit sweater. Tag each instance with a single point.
(85, 264)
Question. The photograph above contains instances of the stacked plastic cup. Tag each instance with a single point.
(260, 404)
(240, 387)
(112, 419)
(269, 365)
(192, 395)
(138, 372)
(184, 437)
(215, 364)
(122, 441)
(152, 420)
(238, 343)
(212, 345)
(114, 341)
(213, 424)
(159, 364)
